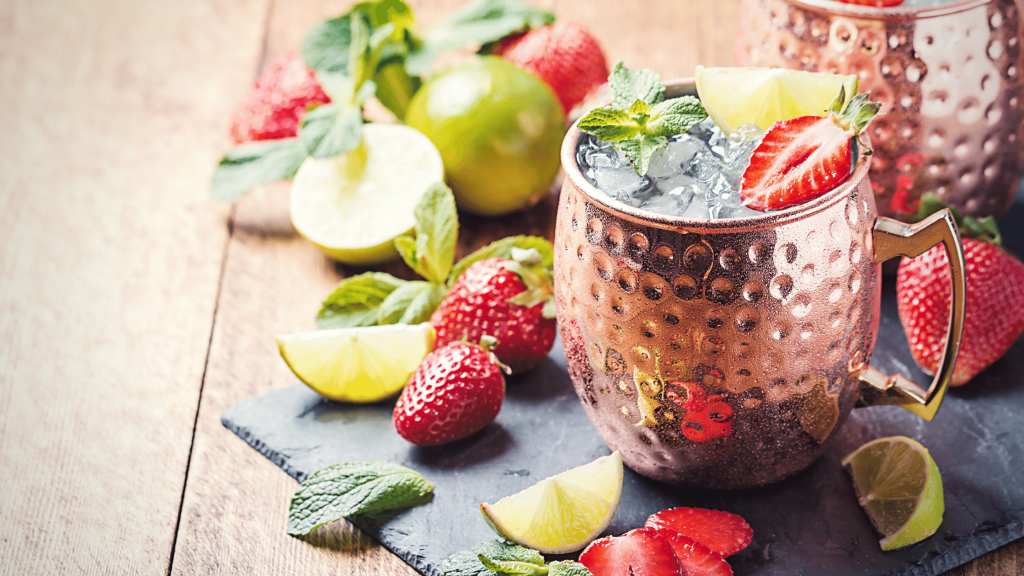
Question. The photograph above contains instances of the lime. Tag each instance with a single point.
(899, 486)
(352, 206)
(563, 513)
(499, 130)
(763, 96)
(364, 364)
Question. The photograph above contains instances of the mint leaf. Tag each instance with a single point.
(355, 301)
(249, 165)
(479, 22)
(639, 150)
(503, 249)
(326, 46)
(512, 568)
(627, 86)
(411, 303)
(568, 568)
(432, 252)
(467, 562)
(352, 488)
(675, 116)
(330, 130)
(609, 124)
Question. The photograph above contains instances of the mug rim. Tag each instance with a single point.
(681, 87)
(893, 13)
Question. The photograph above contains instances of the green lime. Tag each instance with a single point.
(899, 486)
(364, 364)
(563, 513)
(763, 96)
(354, 205)
(499, 130)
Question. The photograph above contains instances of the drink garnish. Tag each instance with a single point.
(639, 119)
(343, 490)
(507, 559)
(805, 157)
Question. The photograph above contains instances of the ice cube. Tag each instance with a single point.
(702, 165)
(671, 159)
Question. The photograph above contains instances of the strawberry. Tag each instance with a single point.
(875, 3)
(491, 298)
(802, 158)
(277, 101)
(722, 532)
(695, 558)
(640, 552)
(456, 391)
(994, 304)
(564, 55)
(705, 417)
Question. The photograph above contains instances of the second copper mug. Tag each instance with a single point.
(722, 354)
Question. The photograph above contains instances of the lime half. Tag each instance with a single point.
(352, 206)
(364, 364)
(763, 96)
(899, 486)
(563, 513)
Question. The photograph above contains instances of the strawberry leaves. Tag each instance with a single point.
(984, 229)
(639, 120)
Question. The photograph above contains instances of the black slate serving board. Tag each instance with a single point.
(808, 524)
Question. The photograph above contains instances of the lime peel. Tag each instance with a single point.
(563, 513)
(899, 487)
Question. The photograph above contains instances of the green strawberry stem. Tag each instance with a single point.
(984, 229)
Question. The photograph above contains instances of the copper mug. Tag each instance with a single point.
(950, 79)
(722, 354)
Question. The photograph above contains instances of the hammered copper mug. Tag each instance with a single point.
(722, 354)
(950, 79)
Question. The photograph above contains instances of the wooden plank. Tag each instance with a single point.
(235, 500)
(110, 258)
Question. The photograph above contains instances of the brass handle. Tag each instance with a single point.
(892, 239)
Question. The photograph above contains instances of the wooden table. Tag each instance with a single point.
(133, 309)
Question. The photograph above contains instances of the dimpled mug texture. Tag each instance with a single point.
(716, 354)
(949, 79)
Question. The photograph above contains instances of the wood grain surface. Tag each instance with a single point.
(133, 310)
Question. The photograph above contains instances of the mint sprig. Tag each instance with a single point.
(342, 490)
(507, 559)
(250, 165)
(639, 120)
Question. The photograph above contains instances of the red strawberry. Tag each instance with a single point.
(564, 55)
(800, 159)
(455, 392)
(705, 417)
(723, 532)
(640, 552)
(994, 306)
(485, 300)
(875, 3)
(277, 101)
(696, 558)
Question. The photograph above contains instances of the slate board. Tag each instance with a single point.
(808, 524)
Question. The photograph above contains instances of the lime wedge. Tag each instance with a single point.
(763, 96)
(899, 486)
(352, 206)
(357, 364)
(563, 513)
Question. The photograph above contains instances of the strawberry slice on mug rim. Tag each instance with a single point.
(802, 158)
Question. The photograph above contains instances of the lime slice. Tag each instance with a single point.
(357, 364)
(899, 486)
(763, 96)
(352, 206)
(563, 513)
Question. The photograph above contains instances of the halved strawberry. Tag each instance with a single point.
(723, 532)
(696, 558)
(640, 552)
(802, 158)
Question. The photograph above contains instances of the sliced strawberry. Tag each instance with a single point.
(640, 552)
(696, 558)
(802, 158)
(723, 532)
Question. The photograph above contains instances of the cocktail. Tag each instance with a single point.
(949, 77)
(715, 344)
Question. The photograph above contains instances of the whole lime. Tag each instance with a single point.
(499, 130)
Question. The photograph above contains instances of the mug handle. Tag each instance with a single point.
(892, 239)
